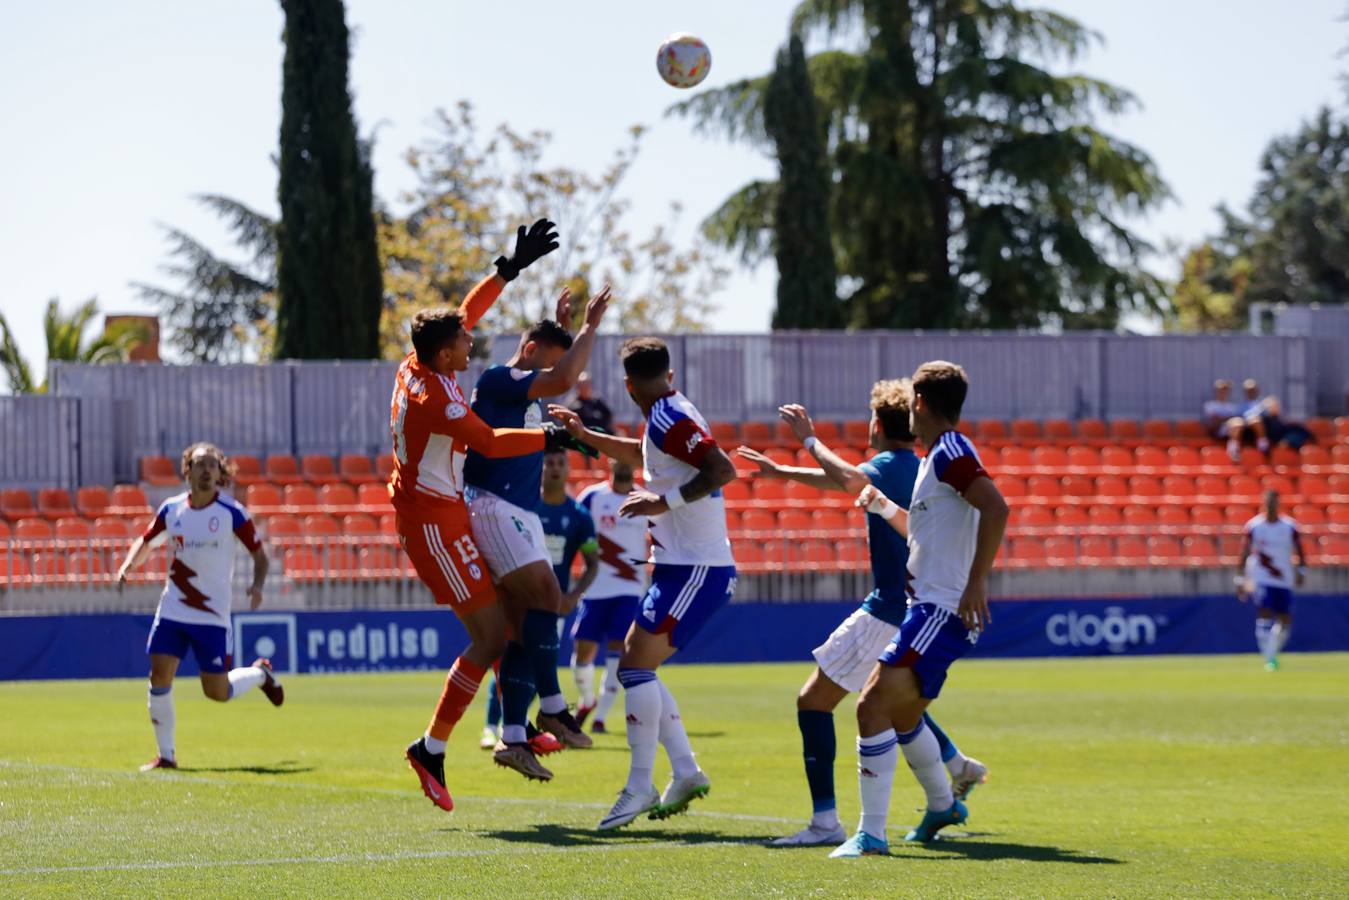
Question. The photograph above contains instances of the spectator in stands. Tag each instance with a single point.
(1264, 416)
(594, 412)
(1225, 419)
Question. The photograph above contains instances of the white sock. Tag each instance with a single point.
(643, 704)
(923, 754)
(163, 719)
(609, 694)
(826, 820)
(1264, 638)
(956, 764)
(585, 682)
(244, 679)
(673, 737)
(1278, 635)
(433, 745)
(552, 704)
(877, 757)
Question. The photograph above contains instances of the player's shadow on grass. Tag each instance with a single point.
(572, 836)
(972, 847)
(285, 767)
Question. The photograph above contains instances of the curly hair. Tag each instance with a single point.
(890, 402)
(226, 467)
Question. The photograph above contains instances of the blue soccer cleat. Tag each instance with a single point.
(934, 822)
(861, 844)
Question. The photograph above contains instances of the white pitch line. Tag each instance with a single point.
(363, 857)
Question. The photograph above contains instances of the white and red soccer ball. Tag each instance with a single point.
(683, 60)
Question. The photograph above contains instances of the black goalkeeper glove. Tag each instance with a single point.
(530, 246)
(555, 437)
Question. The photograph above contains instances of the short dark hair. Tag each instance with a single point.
(550, 451)
(890, 402)
(943, 386)
(433, 330)
(550, 334)
(644, 358)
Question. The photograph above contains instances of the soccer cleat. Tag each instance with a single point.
(974, 774)
(430, 770)
(679, 793)
(564, 728)
(934, 822)
(541, 742)
(628, 807)
(270, 686)
(861, 844)
(583, 712)
(597, 727)
(520, 758)
(1272, 665)
(159, 762)
(489, 738)
(811, 836)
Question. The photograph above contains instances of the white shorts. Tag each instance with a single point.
(849, 654)
(508, 536)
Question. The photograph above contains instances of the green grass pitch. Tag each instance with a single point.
(1164, 776)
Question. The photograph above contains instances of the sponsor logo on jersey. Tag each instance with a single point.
(693, 441)
(455, 411)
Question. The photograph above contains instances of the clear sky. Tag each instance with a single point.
(117, 113)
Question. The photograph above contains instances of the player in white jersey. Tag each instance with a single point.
(954, 523)
(1266, 572)
(693, 575)
(610, 604)
(201, 526)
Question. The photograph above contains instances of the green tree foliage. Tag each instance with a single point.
(328, 278)
(971, 186)
(807, 294)
(66, 343)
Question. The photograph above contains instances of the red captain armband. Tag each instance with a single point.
(961, 472)
(687, 442)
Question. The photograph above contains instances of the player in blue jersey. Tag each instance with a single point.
(693, 575)
(846, 658)
(568, 530)
(954, 523)
(503, 495)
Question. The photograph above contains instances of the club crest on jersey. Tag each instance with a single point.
(214, 524)
(474, 571)
(519, 374)
(533, 416)
(456, 411)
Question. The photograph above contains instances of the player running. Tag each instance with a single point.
(503, 495)
(1266, 571)
(611, 603)
(201, 526)
(694, 574)
(847, 657)
(954, 523)
(433, 429)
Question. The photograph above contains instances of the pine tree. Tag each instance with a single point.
(329, 282)
(807, 277)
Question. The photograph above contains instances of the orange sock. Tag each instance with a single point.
(460, 687)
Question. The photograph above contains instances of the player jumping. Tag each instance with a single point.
(201, 526)
(955, 523)
(433, 429)
(847, 657)
(608, 610)
(503, 495)
(1266, 570)
(694, 573)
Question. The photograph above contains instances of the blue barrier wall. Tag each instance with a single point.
(113, 646)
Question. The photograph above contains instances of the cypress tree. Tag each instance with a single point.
(807, 276)
(329, 282)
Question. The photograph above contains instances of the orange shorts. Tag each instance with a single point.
(448, 562)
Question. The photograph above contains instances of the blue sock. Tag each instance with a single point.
(820, 747)
(948, 747)
(517, 685)
(539, 636)
(493, 704)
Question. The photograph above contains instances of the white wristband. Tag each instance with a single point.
(810, 442)
(883, 506)
(675, 499)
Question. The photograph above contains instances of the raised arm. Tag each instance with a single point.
(562, 377)
(491, 442)
(816, 478)
(845, 476)
(530, 245)
(625, 450)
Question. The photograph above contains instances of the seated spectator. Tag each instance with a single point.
(1263, 416)
(1223, 418)
(594, 412)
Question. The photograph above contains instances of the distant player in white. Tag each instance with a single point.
(955, 524)
(611, 602)
(692, 578)
(1266, 572)
(201, 526)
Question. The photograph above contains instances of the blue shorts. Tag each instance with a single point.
(682, 598)
(211, 644)
(1275, 599)
(930, 639)
(604, 619)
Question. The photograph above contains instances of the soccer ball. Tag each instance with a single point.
(683, 60)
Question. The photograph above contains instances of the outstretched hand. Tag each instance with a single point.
(596, 307)
(531, 245)
(795, 415)
(562, 314)
(767, 468)
(643, 503)
(568, 419)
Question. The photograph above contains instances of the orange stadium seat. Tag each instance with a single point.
(55, 503)
(1093, 432)
(384, 466)
(1105, 516)
(1285, 457)
(759, 520)
(1049, 457)
(1034, 517)
(738, 491)
(1140, 516)
(1070, 517)
(795, 520)
(1118, 460)
(128, 500)
(1081, 487)
(1095, 549)
(1244, 487)
(1322, 429)
(1211, 516)
(1043, 486)
(799, 493)
(769, 489)
(1112, 488)
(1012, 486)
(48, 565)
(1342, 428)
(1182, 460)
(72, 529)
(828, 432)
(337, 495)
(262, 497)
(283, 469)
(159, 471)
(1313, 457)
(373, 495)
(1061, 550)
(1173, 516)
(1200, 550)
(1015, 458)
(320, 525)
(1215, 458)
(1332, 549)
(1181, 486)
(91, 501)
(247, 468)
(1286, 486)
(853, 456)
(725, 433)
(283, 527)
(1163, 549)
(5, 530)
(749, 557)
(356, 468)
(1337, 514)
(852, 554)
(303, 563)
(1125, 431)
(1159, 431)
(1026, 552)
(113, 527)
(1145, 486)
(1086, 460)
(819, 555)
(1211, 487)
(1026, 431)
(388, 523)
(13, 567)
(757, 434)
(1238, 513)
(830, 520)
(783, 436)
(857, 432)
(991, 431)
(783, 456)
(1192, 432)
(32, 529)
(1339, 485)
(1252, 458)
(88, 563)
(1130, 549)
(1060, 431)
(318, 468)
(1151, 460)
(299, 496)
